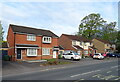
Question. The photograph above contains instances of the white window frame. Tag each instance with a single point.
(81, 43)
(73, 42)
(46, 39)
(86, 52)
(31, 37)
(31, 53)
(45, 51)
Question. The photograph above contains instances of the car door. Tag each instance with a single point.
(69, 55)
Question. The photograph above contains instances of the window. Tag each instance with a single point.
(90, 43)
(74, 42)
(31, 37)
(85, 52)
(80, 43)
(46, 39)
(46, 51)
(31, 52)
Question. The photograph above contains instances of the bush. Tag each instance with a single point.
(53, 63)
(6, 58)
(60, 56)
(83, 55)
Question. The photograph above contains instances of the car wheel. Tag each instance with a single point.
(72, 58)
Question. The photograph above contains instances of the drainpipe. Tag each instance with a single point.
(41, 48)
(14, 46)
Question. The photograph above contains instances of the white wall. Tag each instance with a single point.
(84, 45)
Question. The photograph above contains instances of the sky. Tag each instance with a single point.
(61, 17)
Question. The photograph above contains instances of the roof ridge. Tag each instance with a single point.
(28, 27)
(104, 41)
(37, 31)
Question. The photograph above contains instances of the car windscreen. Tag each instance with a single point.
(75, 53)
(96, 54)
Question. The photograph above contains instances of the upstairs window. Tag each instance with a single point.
(74, 42)
(46, 39)
(80, 43)
(31, 37)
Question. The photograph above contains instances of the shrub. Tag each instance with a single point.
(6, 58)
(56, 62)
(59, 56)
(83, 55)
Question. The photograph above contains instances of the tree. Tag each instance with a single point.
(109, 32)
(94, 26)
(1, 32)
(118, 41)
(90, 25)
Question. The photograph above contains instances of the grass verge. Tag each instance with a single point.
(54, 62)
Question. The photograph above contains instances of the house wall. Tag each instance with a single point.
(22, 39)
(107, 46)
(84, 45)
(114, 46)
(99, 45)
(10, 39)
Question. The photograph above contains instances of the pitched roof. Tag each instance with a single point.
(78, 38)
(104, 41)
(30, 30)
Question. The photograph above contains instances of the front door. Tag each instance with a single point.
(54, 54)
(19, 54)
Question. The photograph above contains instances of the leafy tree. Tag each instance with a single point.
(90, 25)
(118, 41)
(94, 26)
(1, 32)
(109, 32)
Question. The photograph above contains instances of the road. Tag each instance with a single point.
(96, 71)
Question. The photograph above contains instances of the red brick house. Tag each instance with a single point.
(26, 43)
(76, 43)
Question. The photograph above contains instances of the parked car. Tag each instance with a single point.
(98, 56)
(104, 54)
(112, 54)
(71, 55)
(118, 55)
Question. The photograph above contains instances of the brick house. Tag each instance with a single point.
(76, 43)
(103, 46)
(26, 43)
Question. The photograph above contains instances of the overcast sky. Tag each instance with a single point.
(59, 17)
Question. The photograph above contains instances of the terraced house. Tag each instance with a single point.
(104, 46)
(77, 43)
(26, 43)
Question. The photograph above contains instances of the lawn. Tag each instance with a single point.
(55, 62)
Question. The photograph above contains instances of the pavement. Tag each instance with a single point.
(85, 69)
